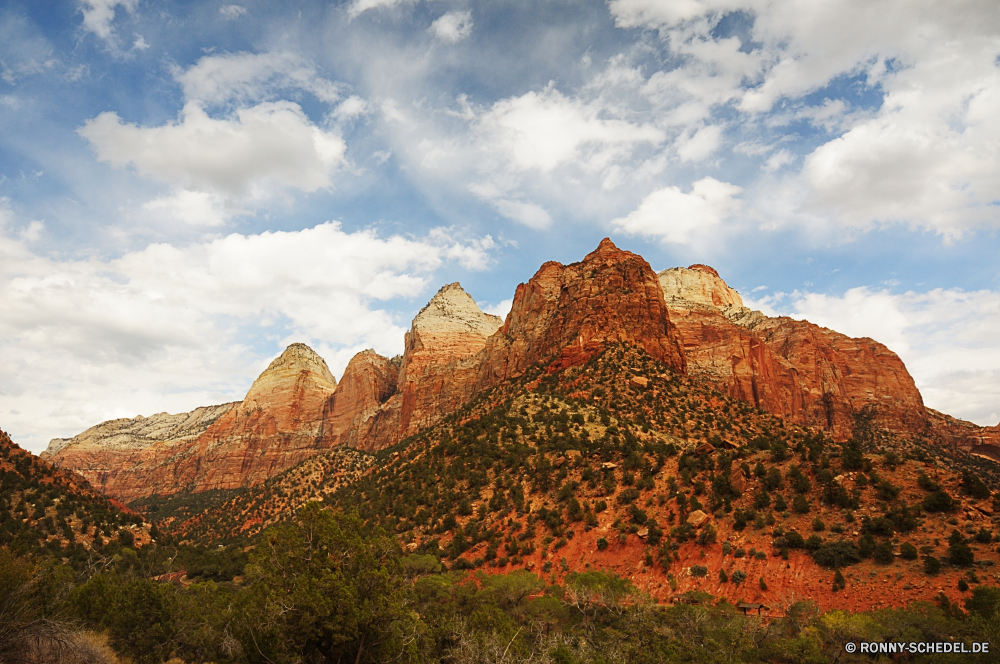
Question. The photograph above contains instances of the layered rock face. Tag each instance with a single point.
(566, 313)
(220, 447)
(808, 374)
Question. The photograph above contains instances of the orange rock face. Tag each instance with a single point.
(566, 313)
(795, 369)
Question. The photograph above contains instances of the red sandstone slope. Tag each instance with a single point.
(808, 374)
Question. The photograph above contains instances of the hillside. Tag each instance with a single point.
(47, 511)
(622, 464)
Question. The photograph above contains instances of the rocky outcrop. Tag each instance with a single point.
(700, 284)
(566, 313)
(808, 374)
(222, 447)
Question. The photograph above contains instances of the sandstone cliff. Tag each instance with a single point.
(221, 447)
(808, 374)
(565, 313)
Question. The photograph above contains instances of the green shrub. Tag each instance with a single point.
(836, 554)
(908, 551)
(699, 570)
(931, 565)
(602, 544)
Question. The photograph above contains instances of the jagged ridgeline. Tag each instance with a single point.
(47, 511)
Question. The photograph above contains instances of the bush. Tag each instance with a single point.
(739, 553)
(931, 565)
(763, 586)
(959, 554)
(723, 577)
(963, 585)
(984, 536)
(818, 525)
(839, 582)
(985, 601)
(800, 504)
(938, 501)
(699, 570)
(908, 551)
(602, 544)
(739, 576)
(883, 553)
(836, 554)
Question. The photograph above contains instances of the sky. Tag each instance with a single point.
(188, 187)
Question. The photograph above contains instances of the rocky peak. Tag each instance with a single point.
(288, 369)
(566, 313)
(453, 310)
(699, 284)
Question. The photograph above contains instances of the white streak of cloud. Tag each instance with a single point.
(99, 14)
(452, 27)
(232, 12)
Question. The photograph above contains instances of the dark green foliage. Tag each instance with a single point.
(883, 553)
(931, 565)
(836, 554)
(800, 504)
(938, 501)
(908, 551)
(985, 601)
(699, 570)
(926, 483)
(839, 582)
(963, 586)
(974, 487)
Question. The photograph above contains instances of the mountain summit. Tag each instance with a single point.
(687, 318)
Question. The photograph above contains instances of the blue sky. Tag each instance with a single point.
(185, 188)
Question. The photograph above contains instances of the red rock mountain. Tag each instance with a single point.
(808, 374)
(686, 317)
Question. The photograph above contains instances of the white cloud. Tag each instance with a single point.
(162, 328)
(232, 12)
(250, 77)
(700, 144)
(452, 27)
(671, 215)
(544, 130)
(946, 338)
(195, 208)
(500, 309)
(139, 44)
(99, 14)
(528, 214)
(923, 157)
(358, 7)
(263, 147)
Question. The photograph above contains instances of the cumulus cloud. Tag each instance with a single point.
(670, 215)
(946, 338)
(452, 27)
(99, 14)
(168, 326)
(922, 157)
(272, 143)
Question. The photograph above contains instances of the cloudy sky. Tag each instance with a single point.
(185, 188)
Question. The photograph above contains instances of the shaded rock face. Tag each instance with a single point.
(568, 312)
(795, 369)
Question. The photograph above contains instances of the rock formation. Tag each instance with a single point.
(219, 447)
(566, 313)
(686, 317)
(795, 369)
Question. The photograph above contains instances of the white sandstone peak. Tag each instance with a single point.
(699, 284)
(452, 310)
